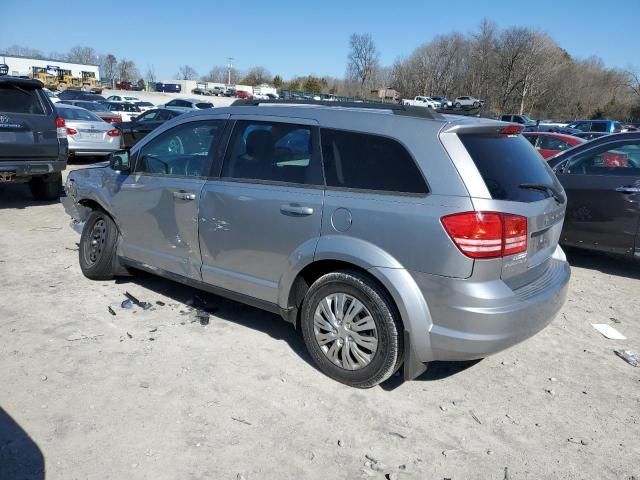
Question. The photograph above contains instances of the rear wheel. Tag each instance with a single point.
(47, 187)
(98, 246)
(351, 329)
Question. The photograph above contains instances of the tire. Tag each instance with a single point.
(46, 188)
(97, 252)
(355, 362)
(476, 104)
(458, 105)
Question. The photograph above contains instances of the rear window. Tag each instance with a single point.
(506, 162)
(78, 114)
(599, 127)
(204, 105)
(369, 162)
(14, 99)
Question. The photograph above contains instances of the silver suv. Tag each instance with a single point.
(388, 235)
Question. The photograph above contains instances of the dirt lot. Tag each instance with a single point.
(155, 395)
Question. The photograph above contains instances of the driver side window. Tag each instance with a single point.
(621, 159)
(181, 151)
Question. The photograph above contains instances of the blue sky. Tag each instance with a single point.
(297, 37)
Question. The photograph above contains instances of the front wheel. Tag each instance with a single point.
(476, 104)
(458, 104)
(98, 246)
(351, 329)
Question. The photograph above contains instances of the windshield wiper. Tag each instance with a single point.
(543, 187)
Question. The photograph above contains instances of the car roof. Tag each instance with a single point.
(21, 82)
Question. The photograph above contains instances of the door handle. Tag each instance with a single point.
(628, 189)
(296, 210)
(184, 195)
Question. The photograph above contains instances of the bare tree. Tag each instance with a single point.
(151, 74)
(256, 76)
(84, 55)
(108, 67)
(187, 72)
(127, 71)
(23, 51)
(363, 59)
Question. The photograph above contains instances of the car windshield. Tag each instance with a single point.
(93, 106)
(78, 114)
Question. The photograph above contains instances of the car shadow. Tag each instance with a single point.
(18, 195)
(608, 264)
(225, 309)
(435, 371)
(20, 456)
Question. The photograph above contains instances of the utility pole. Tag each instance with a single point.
(229, 67)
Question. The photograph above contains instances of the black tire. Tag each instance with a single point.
(98, 260)
(476, 104)
(46, 188)
(389, 352)
(458, 105)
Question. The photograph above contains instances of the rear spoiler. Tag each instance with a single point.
(482, 126)
(21, 82)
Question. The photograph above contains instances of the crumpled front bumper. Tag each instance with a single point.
(75, 211)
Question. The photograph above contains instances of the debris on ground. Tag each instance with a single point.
(111, 311)
(608, 331)
(127, 304)
(144, 384)
(143, 305)
(399, 435)
(628, 356)
(202, 317)
(340, 443)
(154, 329)
(43, 378)
(475, 417)
(199, 303)
(240, 420)
(577, 441)
(82, 336)
(129, 335)
(614, 320)
(160, 303)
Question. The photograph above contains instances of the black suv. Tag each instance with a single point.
(33, 139)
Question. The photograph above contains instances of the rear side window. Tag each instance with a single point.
(204, 105)
(599, 127)
(15, 99)
(507, 161)
(369, 162)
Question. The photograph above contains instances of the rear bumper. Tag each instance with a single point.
(30, 168)
(473, 320)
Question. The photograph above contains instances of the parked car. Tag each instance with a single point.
(33, 139)
(138, 128)
(550, 144)
(467, 102)
(230, 92)
(590, 135)
(96, 108)
(126, 110)
(602, 181)
(69, 94)
(421, 101)
(168, 87)
(186, 104)
(129, 86)
(407, 238)
(518, 118)
(144, 106)
(217, 91)
(53, 97)
(200, 91)
(607, 126)
(88, 134)
(541, 127)
(122, 98)
(244, 95)
(444, 101)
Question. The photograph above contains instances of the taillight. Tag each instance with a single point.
(511, 130)
(487, 234)
(61, 131)
(114, 133)
(71, 131)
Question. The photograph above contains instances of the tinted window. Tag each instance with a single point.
(599, 127)
(552, 143)
(149, 116)
(531, 139)
(92, 106)
(279, 152)
(19, 100)
(506, 162)
(78, 114)
(621, 159)
(204, 105)
(369, 162)
(181, 151)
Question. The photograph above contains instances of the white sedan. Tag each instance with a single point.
(122, 98)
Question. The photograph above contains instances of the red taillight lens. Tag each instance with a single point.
(71, 131)
(487, 234)
(114, 133)
(60, 130)
(511, 130)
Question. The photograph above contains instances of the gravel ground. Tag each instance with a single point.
(156, 395)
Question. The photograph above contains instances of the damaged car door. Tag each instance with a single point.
(157, 205)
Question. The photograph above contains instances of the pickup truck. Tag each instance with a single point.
(421, 101)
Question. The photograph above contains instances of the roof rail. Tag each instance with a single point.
(396, 108)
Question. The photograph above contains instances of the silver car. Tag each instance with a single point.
(390, 236)
(87, 133)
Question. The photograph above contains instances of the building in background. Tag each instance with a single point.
(386, 94)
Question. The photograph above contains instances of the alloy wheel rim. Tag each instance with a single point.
(345, 331)
(97, 239)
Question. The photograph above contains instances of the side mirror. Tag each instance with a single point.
(119, 161)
